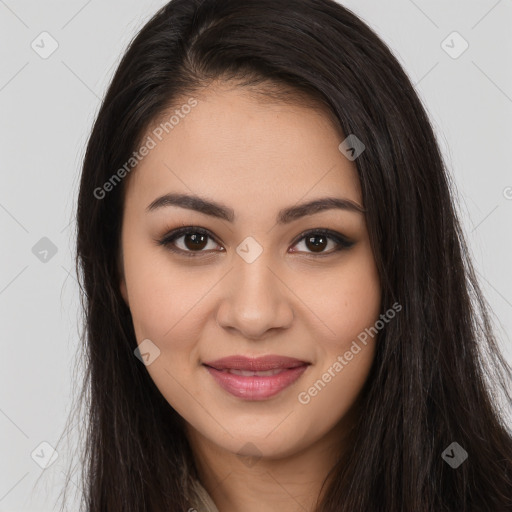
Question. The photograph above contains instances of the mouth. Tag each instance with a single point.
(256, 378)
(256, 364)
(249, 373)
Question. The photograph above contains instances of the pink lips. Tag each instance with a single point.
(286, 371)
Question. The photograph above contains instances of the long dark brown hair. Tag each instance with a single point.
(438, 374)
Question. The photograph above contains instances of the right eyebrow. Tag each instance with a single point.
(221, 211)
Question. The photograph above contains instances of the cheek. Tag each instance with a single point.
(166, 308)
(161, 299)
(346, 354)
(346, 300)
(347, 359)
(329, 395)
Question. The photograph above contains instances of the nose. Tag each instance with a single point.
(255, 299)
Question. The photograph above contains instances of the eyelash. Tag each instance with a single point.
(169, 238)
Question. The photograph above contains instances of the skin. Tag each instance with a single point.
(255, 157)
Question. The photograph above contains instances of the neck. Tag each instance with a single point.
(251, 482)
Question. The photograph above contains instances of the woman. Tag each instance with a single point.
(280, 310)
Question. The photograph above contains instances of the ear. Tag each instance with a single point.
(124, 291)
(122, 280)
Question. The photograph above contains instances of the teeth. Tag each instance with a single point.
(247, 373)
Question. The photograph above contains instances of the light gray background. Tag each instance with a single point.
(47, 108)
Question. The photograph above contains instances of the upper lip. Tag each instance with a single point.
(270, 362)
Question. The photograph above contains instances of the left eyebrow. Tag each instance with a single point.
(221, 211)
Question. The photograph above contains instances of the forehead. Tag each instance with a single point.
(242, 149)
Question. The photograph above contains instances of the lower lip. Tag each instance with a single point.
(255, 387)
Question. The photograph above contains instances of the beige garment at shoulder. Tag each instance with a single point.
(201, 500)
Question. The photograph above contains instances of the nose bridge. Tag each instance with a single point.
(255, 300)
(254, 278)
(252, 264)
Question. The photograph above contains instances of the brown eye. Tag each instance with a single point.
(193, 241)
(316, 242)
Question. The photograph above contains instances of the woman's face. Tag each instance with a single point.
(254, 285)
